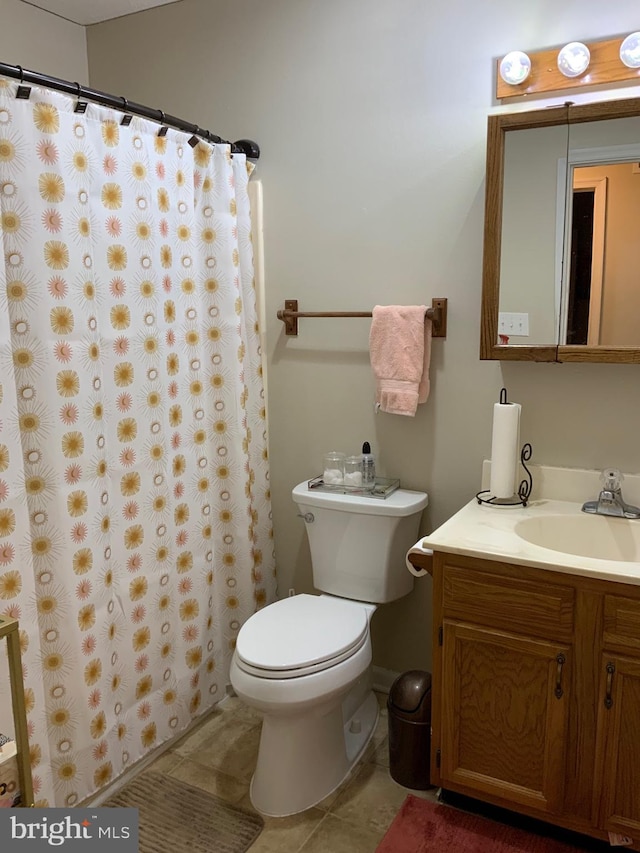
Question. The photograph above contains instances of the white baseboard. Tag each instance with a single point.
(383, 679)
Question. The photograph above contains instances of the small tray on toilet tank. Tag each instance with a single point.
(382, 489)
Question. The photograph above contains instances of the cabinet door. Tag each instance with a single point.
(503, 715)
(618, 789)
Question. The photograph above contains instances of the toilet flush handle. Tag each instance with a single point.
(308, 516)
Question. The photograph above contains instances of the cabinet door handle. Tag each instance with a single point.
(608, 701)
(560, 660)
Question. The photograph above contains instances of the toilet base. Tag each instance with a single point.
(302, 759)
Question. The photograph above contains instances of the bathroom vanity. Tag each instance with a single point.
(536, 670)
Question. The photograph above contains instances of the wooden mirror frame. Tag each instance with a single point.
(498, 126)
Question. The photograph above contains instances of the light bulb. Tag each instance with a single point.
(630, 51)
(573, 59)
(515, 67)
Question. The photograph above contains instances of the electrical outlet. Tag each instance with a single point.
(513, 324)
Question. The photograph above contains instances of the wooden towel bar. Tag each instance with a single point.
(290, 314)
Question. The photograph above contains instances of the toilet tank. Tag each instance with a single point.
(358, 543)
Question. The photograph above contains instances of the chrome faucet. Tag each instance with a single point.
(610, 500)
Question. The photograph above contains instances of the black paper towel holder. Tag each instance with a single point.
(524, 489)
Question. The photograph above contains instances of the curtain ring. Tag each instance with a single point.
(78, 89)
(163, 129)
(125, 121)
(19, 67)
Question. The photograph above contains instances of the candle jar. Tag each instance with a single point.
(353, 471)
(333, 468)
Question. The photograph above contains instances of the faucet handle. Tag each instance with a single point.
(611, 479)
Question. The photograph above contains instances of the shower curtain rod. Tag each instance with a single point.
(17, 72)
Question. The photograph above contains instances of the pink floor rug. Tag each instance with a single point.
(425, 827)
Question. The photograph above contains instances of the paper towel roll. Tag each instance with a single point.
(504, 449)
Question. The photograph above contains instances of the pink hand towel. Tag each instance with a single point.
(400, 352)
(425, 384)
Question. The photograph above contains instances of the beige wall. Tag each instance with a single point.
(373, 150)
(42, 42)
(530, 229)
(620, 292)
(621, 302)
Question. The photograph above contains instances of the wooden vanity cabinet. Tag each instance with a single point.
(617, 790)
(536, 692)
(617, 794)
(503, 731)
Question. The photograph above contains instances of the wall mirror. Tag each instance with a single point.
(561, 260)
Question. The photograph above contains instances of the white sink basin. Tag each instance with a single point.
(598, 537)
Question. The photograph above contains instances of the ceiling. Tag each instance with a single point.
(93, 11)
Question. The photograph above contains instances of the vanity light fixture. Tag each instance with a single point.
(630, 51)
(573, 59)
(577, 64)
(515, 67)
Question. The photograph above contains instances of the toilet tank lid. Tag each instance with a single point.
(402, 502)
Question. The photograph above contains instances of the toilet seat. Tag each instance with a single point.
(301, 635)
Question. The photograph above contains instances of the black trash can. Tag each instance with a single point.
(409, 707)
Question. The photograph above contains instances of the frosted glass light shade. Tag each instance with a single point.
(630, 51)
(573, 59)
(515, 67)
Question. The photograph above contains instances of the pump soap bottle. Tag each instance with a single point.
(368, 467)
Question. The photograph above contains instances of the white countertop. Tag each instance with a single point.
(484, 531)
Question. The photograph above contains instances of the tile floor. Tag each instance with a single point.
(220, 754)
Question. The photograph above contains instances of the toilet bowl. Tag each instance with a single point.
(304, 662)
(306, 666)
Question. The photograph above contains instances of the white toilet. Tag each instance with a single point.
(305, 661)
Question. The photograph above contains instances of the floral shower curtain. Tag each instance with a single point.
(135, 525)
